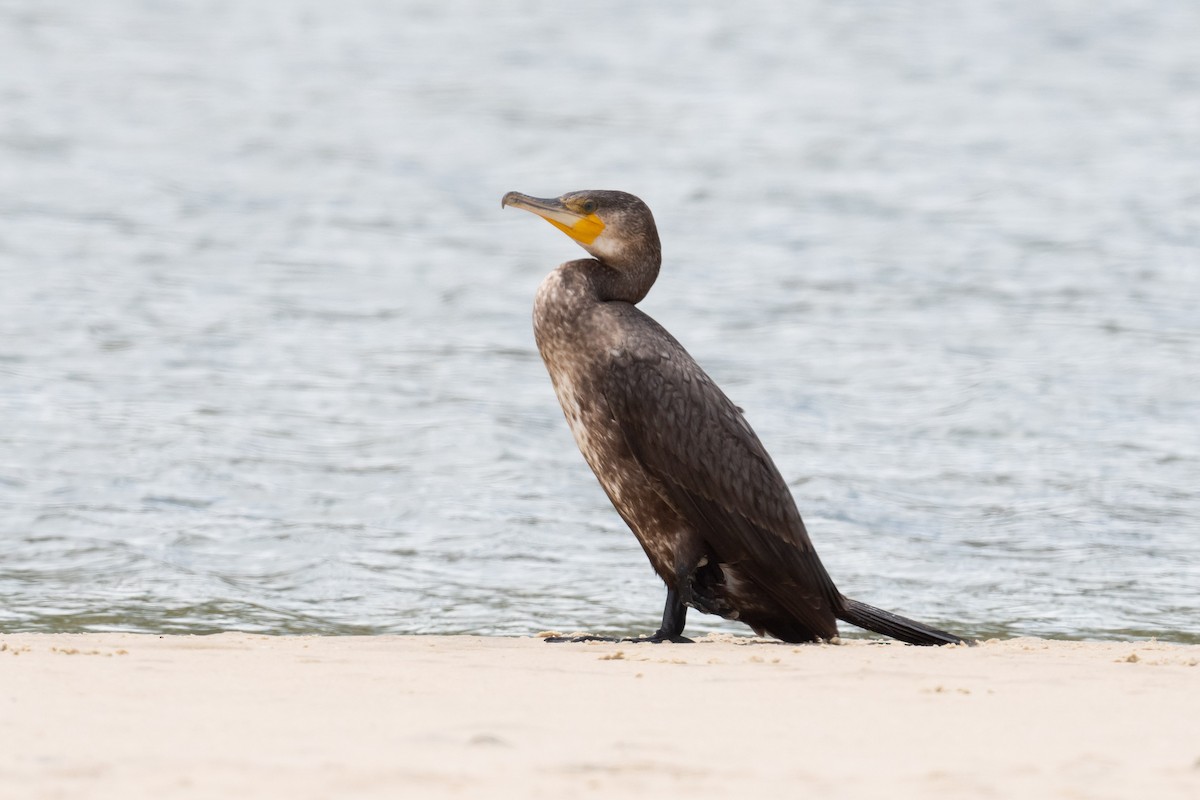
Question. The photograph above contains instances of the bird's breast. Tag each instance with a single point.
(579, 342)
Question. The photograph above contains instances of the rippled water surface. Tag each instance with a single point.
(265, 353)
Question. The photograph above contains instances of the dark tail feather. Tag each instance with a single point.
(894, 625)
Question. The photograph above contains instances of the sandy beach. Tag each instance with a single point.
(236, 715)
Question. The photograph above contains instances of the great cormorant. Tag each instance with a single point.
(675, 456)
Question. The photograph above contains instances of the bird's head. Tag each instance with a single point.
(616, 228)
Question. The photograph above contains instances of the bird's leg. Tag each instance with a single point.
(671, 630)
(674, 617)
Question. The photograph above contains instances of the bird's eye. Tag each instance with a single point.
(589, 206)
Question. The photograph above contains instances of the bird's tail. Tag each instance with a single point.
(894, 625)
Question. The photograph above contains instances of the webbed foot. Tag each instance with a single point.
(658, 637)
(671, 630)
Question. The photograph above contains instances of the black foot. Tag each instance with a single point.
(658, 637)
(671, 630)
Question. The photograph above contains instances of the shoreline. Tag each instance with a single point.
(118, 715)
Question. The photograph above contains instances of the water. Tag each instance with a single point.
(265, 353)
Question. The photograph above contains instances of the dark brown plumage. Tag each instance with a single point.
(676, 457)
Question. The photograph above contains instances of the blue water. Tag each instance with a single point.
(265, 353)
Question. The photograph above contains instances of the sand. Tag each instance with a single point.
(236, 715)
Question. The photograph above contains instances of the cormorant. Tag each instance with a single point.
(675, 456)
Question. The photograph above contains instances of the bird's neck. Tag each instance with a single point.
(629, 280)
